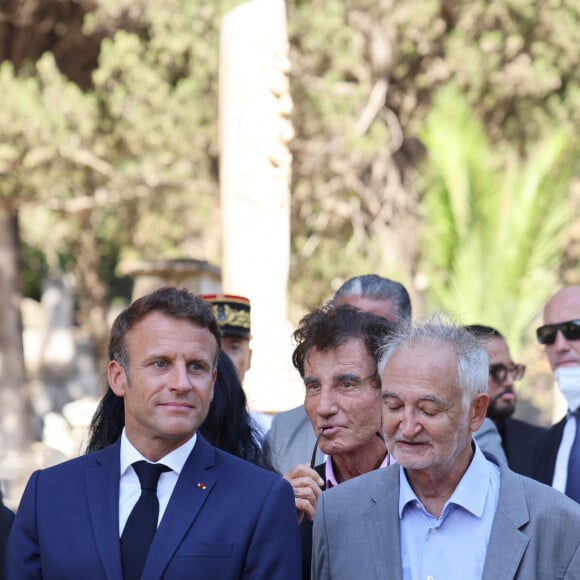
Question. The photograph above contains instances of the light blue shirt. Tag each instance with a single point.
(452, 547)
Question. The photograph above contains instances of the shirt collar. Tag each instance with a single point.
(330, 477)
(174, 460)
(470, 493)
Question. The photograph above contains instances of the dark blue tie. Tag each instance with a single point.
(573, 479)
(142, 523)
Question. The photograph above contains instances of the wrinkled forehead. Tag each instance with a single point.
(350, 352)
(423, 361)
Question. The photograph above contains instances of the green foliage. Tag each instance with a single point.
(492, 220)
(138, 151)
(138, 148)
(157, 92)
(514, 62)
(27, 129)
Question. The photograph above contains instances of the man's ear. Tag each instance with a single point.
(117, 378)
(479, 410)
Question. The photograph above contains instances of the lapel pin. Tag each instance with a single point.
(202, 486)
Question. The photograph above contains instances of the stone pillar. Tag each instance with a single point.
(255, 129)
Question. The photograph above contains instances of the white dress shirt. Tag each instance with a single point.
(561, 465)
(130, 487)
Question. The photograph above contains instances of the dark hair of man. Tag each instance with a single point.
(378, 288)
(332, 325)
(228, 424)
(171, 301)
(483, 332)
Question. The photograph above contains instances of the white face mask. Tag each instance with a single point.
(568, 379)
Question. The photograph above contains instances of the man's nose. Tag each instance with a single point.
(409, 426)
(508, 382)
(560, 342)
(180, 380)
(326, 402)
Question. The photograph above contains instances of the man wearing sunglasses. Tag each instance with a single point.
(519, 439)
(558, 461)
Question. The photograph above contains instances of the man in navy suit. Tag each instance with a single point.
(560, 334)
(219, 517)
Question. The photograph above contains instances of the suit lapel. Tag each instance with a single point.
(547, 452)
(195, 483)
(384, 509)
(507, 544)
(103, 500)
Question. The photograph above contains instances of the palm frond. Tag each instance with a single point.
(491, 241)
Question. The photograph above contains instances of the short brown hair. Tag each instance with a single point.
(174, 302)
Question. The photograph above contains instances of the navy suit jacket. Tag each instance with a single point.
(226, 519)
(547, 449)
(520, 442)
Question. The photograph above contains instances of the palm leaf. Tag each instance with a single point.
(492, 221)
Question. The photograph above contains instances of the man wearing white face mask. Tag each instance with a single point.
(558, 460)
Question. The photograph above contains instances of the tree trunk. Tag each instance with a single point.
(15, 427)
(91, 291)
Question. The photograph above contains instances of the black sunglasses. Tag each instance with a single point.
(499, 372)
(570, 329)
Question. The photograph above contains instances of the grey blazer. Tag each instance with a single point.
(291, 439)
(535, 533)
(489, 440)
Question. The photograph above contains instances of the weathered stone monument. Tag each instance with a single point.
(255, 129)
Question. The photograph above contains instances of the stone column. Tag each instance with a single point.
(255, 129)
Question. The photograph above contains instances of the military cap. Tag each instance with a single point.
(232, 313)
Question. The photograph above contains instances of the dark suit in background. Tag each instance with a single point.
(520, 442)
(547, 450)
